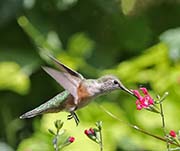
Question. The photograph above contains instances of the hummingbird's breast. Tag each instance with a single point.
(84, 98)
(84, 95)
(86, 91)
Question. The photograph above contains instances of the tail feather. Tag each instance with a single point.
(53, 105)
(43, 108)
(47, 107)
(30, 114)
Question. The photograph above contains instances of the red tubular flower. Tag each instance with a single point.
(172, 133)
(144, 90)
(136, 92)
(138, 105)
(71, 139)
(143, 102)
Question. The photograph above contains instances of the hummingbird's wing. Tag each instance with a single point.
(69, 82)
(66, 69)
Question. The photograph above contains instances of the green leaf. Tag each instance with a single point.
(51, 131)
(58, 124)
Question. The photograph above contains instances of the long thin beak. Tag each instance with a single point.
(122, 87)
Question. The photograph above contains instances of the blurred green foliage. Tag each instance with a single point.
(134, 39)
(18, 82)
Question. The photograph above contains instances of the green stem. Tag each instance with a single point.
(100, 143)
(56, 147)
(163, 125)
(136, 127)
(56, 143)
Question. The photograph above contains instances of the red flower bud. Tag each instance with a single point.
(71, 139)
(86, 132)
(89, 132)
(172, 133)
(92, 131)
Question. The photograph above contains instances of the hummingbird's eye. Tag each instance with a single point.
(116, 82)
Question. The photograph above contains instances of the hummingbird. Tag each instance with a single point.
(78, 92)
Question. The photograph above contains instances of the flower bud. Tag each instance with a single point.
(172, 133)
(71, 139)
(90, 132)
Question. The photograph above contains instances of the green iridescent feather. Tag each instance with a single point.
(48, 106)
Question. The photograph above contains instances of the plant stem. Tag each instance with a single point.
(136, 127)
(55, 142)
(163, 125)
(100, 143)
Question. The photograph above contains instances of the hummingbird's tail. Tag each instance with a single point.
(30, 114)
(44, 108)
(52, 106)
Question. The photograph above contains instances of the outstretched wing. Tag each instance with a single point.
(64, 79)
(66, 69)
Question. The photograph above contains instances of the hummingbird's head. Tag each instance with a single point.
(110, 83)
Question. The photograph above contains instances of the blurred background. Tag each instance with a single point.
(136, 40)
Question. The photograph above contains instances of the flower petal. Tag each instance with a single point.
(136, 93)
(144, 90)
(139, 106)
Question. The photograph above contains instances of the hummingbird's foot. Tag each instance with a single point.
(73, 115)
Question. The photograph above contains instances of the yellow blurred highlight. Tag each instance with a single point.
(12, 78)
